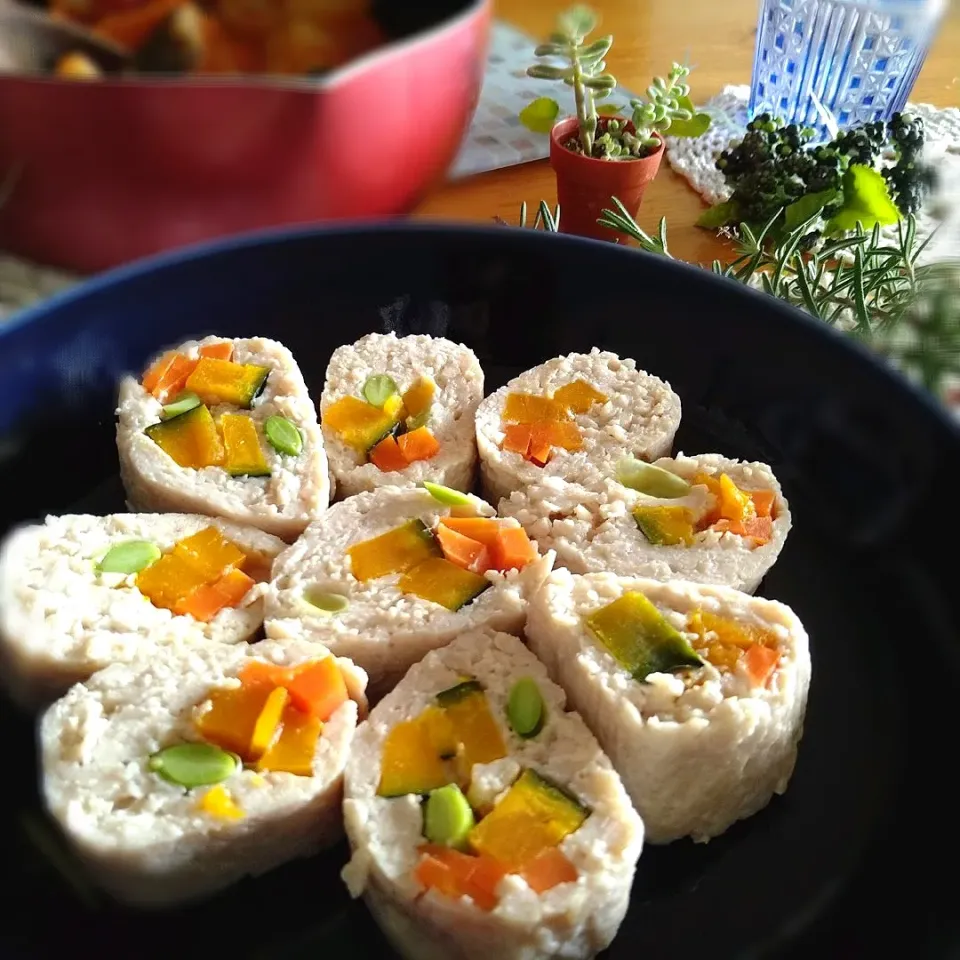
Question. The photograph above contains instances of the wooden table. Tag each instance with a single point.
(717, 38)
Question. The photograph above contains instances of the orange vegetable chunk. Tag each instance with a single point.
(419, 444)
(513, 549)
(461, 875)
(483, 529)
(232, 717)
(387, 455)
(168, 376)
(410, 762)
(210, 553)
(294, 750)
(267, 727)
(547, 870)
(761, 662)
(579, 396)
(395, 551)
(517, 438)
(529, 408)
(555, 434)
(474, 730)
(166, 582)
(434, 874)
(221, 350)
(206, 602)
(255, 672)
(763, 501)
(540, 451)
(463, 551)
(318, 688)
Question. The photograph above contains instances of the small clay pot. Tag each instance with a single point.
(585, 185)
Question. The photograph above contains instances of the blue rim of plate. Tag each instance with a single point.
(785, 312)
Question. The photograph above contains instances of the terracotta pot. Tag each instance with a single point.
(585, 185)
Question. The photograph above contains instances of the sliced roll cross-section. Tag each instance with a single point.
(704, 518)
(399, 410)
(696, 692)
(176, 777)
(80, 592)
(388, 575)
(479, 811)
(225, 428)
(571, 417)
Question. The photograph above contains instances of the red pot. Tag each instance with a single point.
(119, 169)
(585, 185)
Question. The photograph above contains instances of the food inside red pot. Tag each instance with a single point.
(288, 37)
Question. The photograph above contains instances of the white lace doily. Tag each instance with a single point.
(696, 158)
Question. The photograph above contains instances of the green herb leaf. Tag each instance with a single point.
(866, 199)
(719, 215)
(540, 115)
(809, 206)
(609, 109)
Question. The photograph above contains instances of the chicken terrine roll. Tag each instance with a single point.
(704, 518)
(175, 777)
(484, 820)
(80, 592)
(696, 692)
(225, 428)
(399, 410)
(569, 417)
(389, 574)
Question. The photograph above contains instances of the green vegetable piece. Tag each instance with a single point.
(184, 402)
(650, 479)
(540, 115)
(640, 638)
(379, 389)
(327, 602)
(283, 435)
(665, 526)
(866, 199)
(461, 691)
(194, 764)
(447, 817)
(131, 556)
(447, 495)
(420, 420)
(526, 710)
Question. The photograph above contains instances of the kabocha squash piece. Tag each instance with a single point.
(294, 748)
(359, 424)
(210, 553)
(223, 381)
(419, 396)
(640, 638)
(473, 728)
(533, 816)
(411, 764)
(268, 725)
(443, 582)
(231, 718)
(190, 440)
(243, 454)
(579, 396)
(530, 408)
(665, 526)
(396, 551)
(168, 581)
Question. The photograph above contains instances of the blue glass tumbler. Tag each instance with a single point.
(861, 58)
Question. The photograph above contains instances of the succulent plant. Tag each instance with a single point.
(668, 105)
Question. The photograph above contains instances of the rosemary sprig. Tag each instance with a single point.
(873, 289)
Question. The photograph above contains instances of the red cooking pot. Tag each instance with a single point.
(117, 169)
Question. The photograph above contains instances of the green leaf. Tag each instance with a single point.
(696, 126)
(609, 109)
(866, 199)
(719, 215)
(685, 103)
(540, 115)
(578, 21)
(543, 71)
(809, 206)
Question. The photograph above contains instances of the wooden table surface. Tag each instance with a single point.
(717, 38)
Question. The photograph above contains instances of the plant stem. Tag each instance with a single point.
(586, 114)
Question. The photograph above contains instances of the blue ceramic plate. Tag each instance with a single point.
(850, 860)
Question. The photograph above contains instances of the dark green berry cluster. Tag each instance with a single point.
(774, 164)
